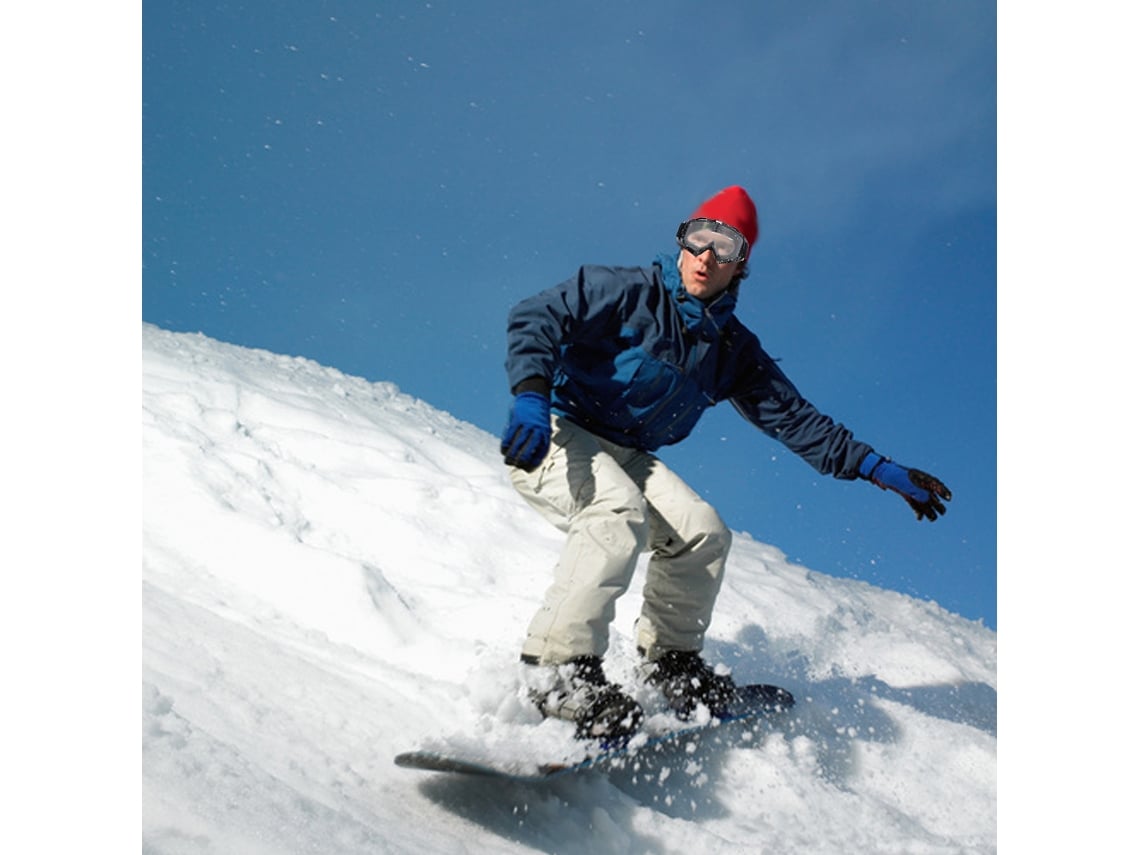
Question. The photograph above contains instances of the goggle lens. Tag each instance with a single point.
(700, 235)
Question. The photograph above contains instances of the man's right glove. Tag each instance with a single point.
(921, 491)
(527, 437)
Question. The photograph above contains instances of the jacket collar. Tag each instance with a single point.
(703, 319)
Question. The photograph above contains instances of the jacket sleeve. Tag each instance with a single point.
(539, 326)
(768, 399)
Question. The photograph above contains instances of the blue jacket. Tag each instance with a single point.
(630, 356)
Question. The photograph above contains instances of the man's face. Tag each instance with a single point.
(703, 276)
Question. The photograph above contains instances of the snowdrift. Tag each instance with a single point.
(334, 572)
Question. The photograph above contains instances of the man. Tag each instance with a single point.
(606, 368)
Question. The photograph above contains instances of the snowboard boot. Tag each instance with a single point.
(687, 682)
(579, 692)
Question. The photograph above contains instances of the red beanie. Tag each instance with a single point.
(732, 205)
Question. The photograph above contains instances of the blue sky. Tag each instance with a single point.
(374, 185)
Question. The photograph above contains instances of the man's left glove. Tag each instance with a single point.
(527, 437)
(922, 492)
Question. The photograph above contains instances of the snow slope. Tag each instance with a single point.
(334, 572)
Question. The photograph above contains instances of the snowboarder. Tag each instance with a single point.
(606, 368)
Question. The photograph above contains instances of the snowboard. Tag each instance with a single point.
(753, 701)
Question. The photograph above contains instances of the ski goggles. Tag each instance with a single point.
(702, 234)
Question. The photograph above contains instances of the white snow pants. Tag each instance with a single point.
(614, 503)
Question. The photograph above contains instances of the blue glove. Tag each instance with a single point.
(527, 437)
(921, 491)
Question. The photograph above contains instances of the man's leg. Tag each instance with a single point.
(581, 489)
(689, 544)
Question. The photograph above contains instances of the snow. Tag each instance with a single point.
(335, 572)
